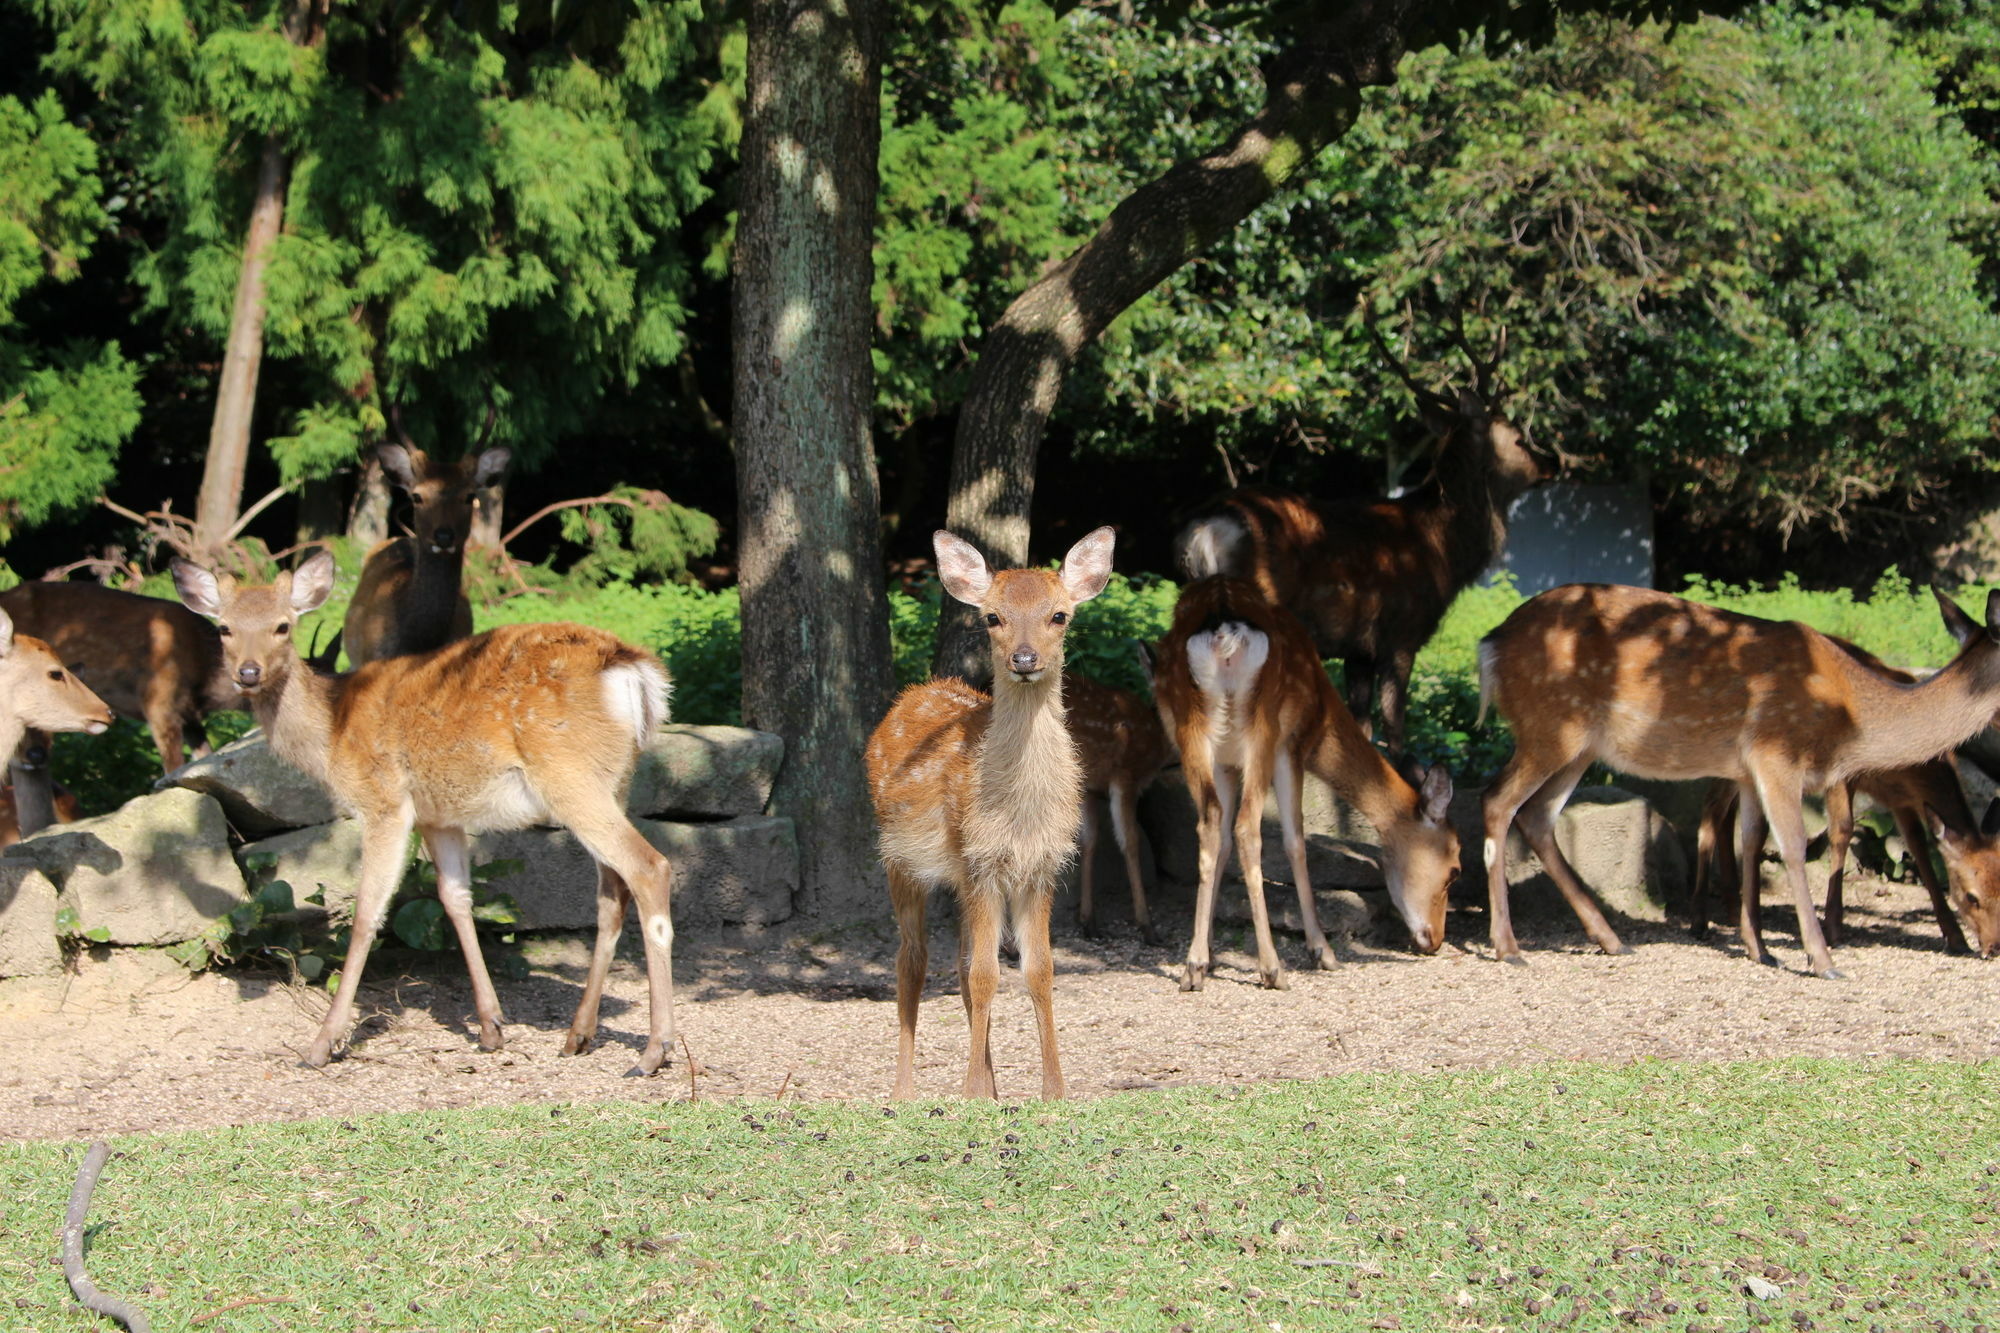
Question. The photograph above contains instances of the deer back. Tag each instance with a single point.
(128, 648)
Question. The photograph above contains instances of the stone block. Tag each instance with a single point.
(1340, 853)
(260, 793)
(324, 859)
(1622, 849)
(155, 871)
(28, 946)
(689, 772)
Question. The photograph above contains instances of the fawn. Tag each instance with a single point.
(983, 793)
(1243, 693)
(1122, 747)
(521, 725)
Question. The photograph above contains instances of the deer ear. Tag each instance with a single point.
(492, 464)
(1961, 626)
(312, 582)
(396, 461)
(6, 634)
(1149, 662)
(1436, 794)
(1087, 567)
(1993, 613)
(198, 589)
(961, 568)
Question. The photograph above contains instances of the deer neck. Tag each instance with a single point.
(12, 729)
(1901, 725)
(1029, 779)
(1465, 512)
(433, 594)
(1344, 760)
(296, 713)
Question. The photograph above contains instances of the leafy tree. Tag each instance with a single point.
(65, 411)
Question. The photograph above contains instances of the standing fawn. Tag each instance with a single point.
(1371, 579)
(1245, 697)
(1666, 688)
(983, 794)
(525, 724)
(146, 657)
(408, 598)
(37, 691)
(1122, 747)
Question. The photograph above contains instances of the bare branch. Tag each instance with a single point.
(86, 1292)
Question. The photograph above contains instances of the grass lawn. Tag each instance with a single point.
(1849, 1195)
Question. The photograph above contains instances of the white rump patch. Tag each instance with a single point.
(1225, 662)
(636, 694)
(1211, 546)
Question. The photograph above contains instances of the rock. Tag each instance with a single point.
(736, 872)
(1622, 849)
(155, 871)
(260, 793)
(692, 772)
(1339, 849)
(28, 946)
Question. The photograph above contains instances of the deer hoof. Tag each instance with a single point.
(1276, 979)
(1194, 978)
(318, 1054)
(577, 1043)
(490, 1038)
(1831, 974)
(650, 1061)
(1513, 960)
(1148, 934)
(1326, 959)
(1618, 949)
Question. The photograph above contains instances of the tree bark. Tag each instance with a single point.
(368, 518)
(815, 615)
(1312, 95)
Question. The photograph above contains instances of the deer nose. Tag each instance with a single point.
(443, 538)
(248, 674)
(1025, 659)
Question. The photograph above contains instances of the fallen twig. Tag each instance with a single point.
(219, 1310)
(782, 1086)
(688, 1055)
(86, 1292)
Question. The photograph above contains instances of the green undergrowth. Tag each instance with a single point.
(1799, 1194)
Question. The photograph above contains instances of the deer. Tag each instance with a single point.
(38, 692)
(146, 657)
(521, 725)
(1661, 687)
(408, 598)
(1122, 746)
(984, 793)
(1372, 579)
(1241, 689)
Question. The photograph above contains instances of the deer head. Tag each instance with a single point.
(258, 622)
(1420, 859)
(1026, 611)
(444, 493)
(1972, 866)
(37, 691)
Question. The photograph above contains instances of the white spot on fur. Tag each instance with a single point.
(661, 931)
(1491, 852)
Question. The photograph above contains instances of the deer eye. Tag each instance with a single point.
(1059, 618)
(282, 630)
(56, 674)
(223, 630)
(993, 620)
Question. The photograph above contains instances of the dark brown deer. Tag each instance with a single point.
(408, 598)
(1661, 687)
(1123, 747)
(521, 725)
(982, 793)
(146, 657)
(1243, 693)
(1371, 579)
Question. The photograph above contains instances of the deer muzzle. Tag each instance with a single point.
(1026, 664)
(249, 675)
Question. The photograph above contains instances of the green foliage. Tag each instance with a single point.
(1897, 622)
(1130, 610)
(65, 410)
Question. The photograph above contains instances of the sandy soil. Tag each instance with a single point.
(132, 1045)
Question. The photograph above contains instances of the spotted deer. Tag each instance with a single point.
(408, 598)
(1372, 579)
(521, 725)
(38, 692)
(1661, 687)
(983, 793)
(1244, 696)
(1122, 747)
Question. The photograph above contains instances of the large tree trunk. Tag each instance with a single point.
(1312, 95)
(815, 615)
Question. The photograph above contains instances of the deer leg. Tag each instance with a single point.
(1839, 834)
(1038, 970)
(1250, 860)
(1714, 852)
(1537, 818)
(1751, 827)
(1392, 683)
(1912, 829)
(384, 850)
(1780, 797)
(1086, 902)
(913, 960)
(1215, 803)
(1290, 786)
(979, 977)
(612, 897)
(163, 720)
(1125, 828)
(1517, 779)
(1360, 674)
(598, 820)
(451, 853)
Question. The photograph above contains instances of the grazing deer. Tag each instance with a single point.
(525, 724)
(146, 657)
(1666, 688)
(1371, 579)
(1122, 746)
(1245, 697)
(983, 793)
(408, 598)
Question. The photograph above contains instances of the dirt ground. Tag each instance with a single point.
(135, 1044)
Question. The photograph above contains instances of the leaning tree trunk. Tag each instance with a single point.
(1312, 95)
(815, 614)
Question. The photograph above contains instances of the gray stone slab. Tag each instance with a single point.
(260, 793)
(155, 871)
(690, 772)
(28, 946)
(324, 860)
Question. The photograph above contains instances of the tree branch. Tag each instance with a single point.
(86, 1292)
